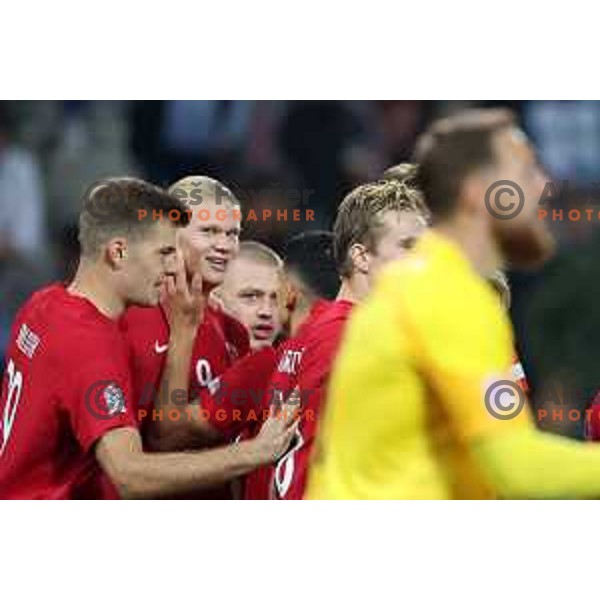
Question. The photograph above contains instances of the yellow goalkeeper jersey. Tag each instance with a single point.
(406, 398)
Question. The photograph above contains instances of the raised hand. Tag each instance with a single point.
(183, 299)
(277, 432)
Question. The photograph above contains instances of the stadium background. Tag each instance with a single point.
(272, 153)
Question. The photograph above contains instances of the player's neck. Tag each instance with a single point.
(476, 242)
(352, 290)
(89, 283)
(299, 315)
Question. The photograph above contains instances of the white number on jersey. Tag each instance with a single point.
(13, 396)
(284, 471)
(204, 372)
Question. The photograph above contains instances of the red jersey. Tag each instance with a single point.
(592, 420)
(66, 384)
(305, 364)
(235, 404)
(220, 341)
(235, 407)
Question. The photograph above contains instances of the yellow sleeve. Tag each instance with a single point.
(535, 464)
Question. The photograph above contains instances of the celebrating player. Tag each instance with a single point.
(186, 343)
(251, 292)
(236, 408)
(376, 223)
(238, 403)
(66, 397)
(424, 412)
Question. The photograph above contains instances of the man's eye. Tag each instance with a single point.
(408, 243)
(234, 233)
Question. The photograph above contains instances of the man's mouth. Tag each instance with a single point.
(217, 263)
(263, 332)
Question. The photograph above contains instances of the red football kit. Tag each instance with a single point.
(235, 406)
(66, 384)
(220, 341)
(303, 362)
(592, 420)
(306, 368)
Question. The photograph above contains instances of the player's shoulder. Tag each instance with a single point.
(329, 321)
(336, 311)
(53, 305)
(436, 274)
(142, 317)
(47, 298)
(436, 291)
(254, 365)
(63, 322)
(435, 262)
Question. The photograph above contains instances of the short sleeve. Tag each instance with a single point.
(98, 398)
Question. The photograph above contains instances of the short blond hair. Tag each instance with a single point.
(404, 172)
(198, 186)
(261, 253)
(358, 217)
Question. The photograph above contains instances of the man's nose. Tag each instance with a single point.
(223, 242)
(266, 309)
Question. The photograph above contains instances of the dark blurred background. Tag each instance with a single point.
(50, 151)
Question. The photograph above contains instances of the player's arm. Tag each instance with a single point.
(534, 464)
(137, 474)
(466, 353)
(184, 306)
(221, 414)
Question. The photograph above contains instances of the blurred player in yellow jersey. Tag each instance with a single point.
(422, 402)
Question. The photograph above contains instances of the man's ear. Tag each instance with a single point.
(359, 255)
(472, 193)
(116, 252)
(292, 294)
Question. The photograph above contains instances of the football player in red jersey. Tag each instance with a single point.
(251, 292)
(236, 403)
(376, 223)
(66, 395)
(236, 409)
(186, 325)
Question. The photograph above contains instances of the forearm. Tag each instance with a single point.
(534, 464)
(191, 431)
(156, 475)
(174, 388)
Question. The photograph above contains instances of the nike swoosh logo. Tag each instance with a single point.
(160, 349)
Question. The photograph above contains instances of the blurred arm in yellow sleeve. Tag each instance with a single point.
(534, 464)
